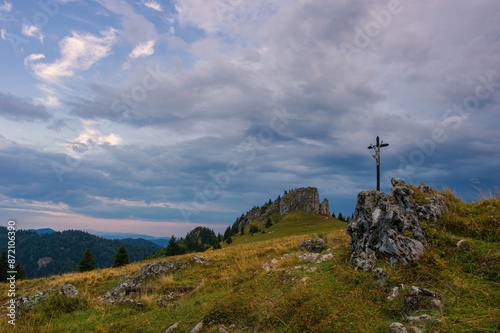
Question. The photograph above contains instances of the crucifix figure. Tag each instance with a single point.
(377, 147)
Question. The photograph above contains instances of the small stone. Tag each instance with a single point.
(171, 328)
(380, 275)
(313, 245)
(420, 318)
(197, 328)
(223, 329)
(70, 290)
(394, 294)
(199, 260)
(397, 328)
(461, 242)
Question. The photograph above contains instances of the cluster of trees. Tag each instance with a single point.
(88, 261)
(5, 267)
(342, 217)
(62, 251)
(197, 240)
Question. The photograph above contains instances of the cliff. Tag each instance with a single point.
(303, 199)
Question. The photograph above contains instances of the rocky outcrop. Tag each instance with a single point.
(324, 207)
(148, 272)
(388, 226)
(313, 245)
(304, 199)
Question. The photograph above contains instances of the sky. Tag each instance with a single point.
(155, 117)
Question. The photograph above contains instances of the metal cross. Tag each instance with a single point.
(377, 147)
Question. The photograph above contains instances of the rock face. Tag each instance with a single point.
(387, 226)
(305, 199)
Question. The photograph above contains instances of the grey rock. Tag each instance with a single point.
(42, 262)
(171, 328)
(304, 199)
(133, 284)
(197, 328)
(393, 294)
(424, 317)
(461, 242)
(199, 260)
(387, 226)
(421, 299)
(223, 329)
(69, 290)
(313, 245)
(397, 328)
(324, 207)
(380, 275)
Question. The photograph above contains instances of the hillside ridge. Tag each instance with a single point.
(269, 281)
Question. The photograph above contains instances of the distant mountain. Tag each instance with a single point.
(161, 241)
(60, 252)
(43, 231)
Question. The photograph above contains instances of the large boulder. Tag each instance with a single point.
(387, 226)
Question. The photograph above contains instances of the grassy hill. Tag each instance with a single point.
(291, 295)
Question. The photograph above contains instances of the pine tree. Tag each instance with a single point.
(21, 274)
(121, 257)
(269, 223)
(172, 247)
(88, 262)
(340, 217)
(229, 240)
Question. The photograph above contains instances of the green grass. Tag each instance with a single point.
(234, 289)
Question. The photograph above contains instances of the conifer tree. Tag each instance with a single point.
(21, 274)
(269, 223)
(172, 247)
(121, 257)
(88, 262)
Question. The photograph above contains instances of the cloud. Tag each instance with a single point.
(153, 5)
(79, 52)
(22, 109)
(90, 139)
(3, 34)
(135, 27)
(32, 31)
(143, 50)
(32, 58)
(6, 7)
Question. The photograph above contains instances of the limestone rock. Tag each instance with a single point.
(147, 272)
(70, 290)
(324, 207)
(397, 328)
(380, 275)
(171, 328)
(304, 199)
(313, 245)
(421, 299)
(387, 226)
(197, 328)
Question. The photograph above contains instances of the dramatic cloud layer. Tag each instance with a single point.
(191, 112)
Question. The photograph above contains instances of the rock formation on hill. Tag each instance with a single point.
(303, 199)
(388, 225)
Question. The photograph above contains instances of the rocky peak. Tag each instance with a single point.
(305, 199)
(387, 226)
